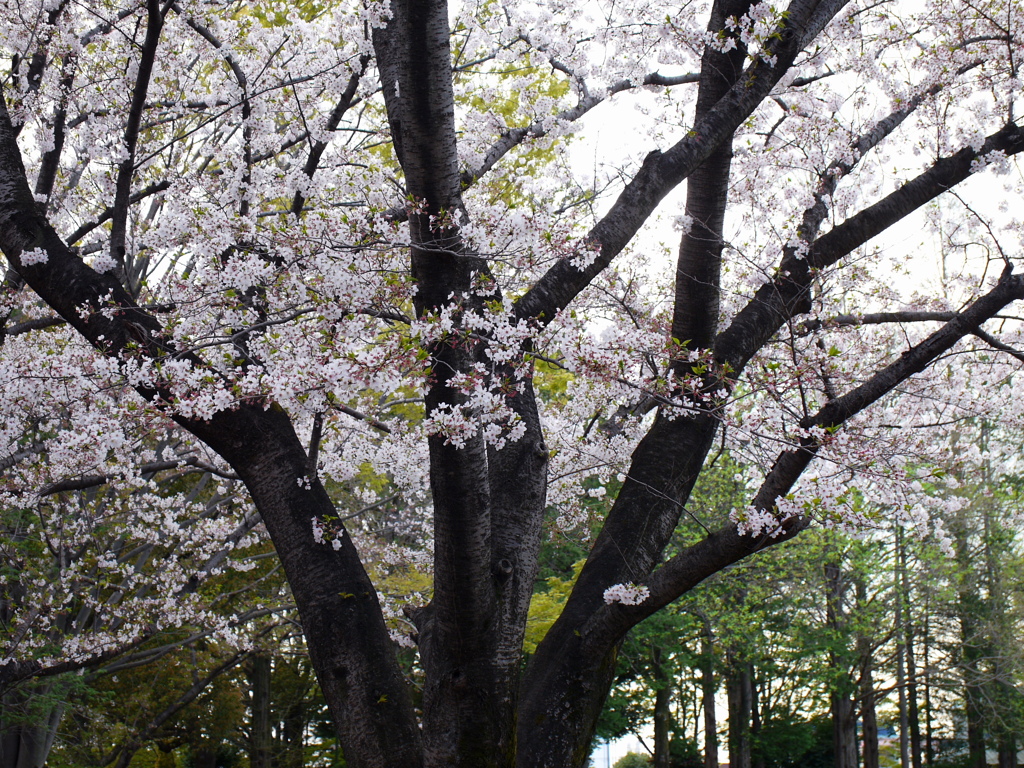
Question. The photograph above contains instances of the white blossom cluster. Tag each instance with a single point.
(627, 594)
(316, 312)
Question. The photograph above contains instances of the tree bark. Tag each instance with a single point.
(929, 751)
(844, 731)
(1008, 752)
(260, 736)
(698, 268)
(739, 691)
(901, 654)
(913, 711)
(844, 721)
(27, 731)
(869, 717)
(488, 505)
(869, 722)
(662, 712)
(708, 688)
(968, 610)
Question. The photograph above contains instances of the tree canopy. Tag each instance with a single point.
(331, 271)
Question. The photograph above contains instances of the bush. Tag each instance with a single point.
(633, 760)
(794, 743)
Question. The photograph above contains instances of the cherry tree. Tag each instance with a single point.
(341, 250)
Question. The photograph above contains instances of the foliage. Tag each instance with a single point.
(633, 760)
(789, 742)
(330, 275)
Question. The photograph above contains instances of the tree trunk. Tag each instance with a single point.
(971, 651)
(487, 504)
(1008, 752)
(260, 736)
(901, 653)
(869, 718)
(844, 731)
(869, 724)
(708, 688)
(348, 642)
(973, 695)
(757, 757)
(27, 732)
(913, 713)
(662, 713)
(293, 735)
(929, 751)
(739, 690)
(844, 722)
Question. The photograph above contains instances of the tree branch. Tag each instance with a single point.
(662, 172)
(787, 294)
(345, 102)
(243, 85)
(50, 162)
(91, 481)
(875, 318)
(126, 171)
(535, 130)
(108, 213)
(683, 571)
(995, 343)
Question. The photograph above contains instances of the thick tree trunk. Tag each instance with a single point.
(488, 505)
(25, 745)
(663, 470)
(569, 676)
(360, 678)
